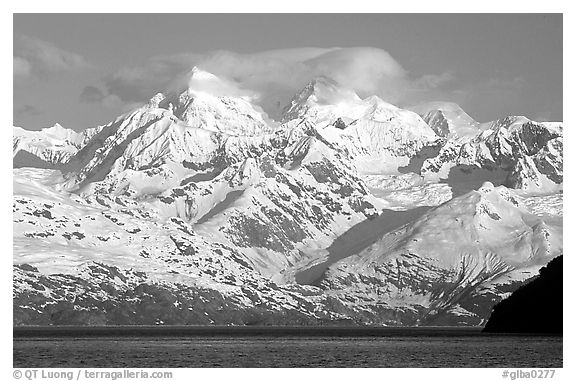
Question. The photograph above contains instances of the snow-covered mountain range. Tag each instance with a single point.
(196, 208)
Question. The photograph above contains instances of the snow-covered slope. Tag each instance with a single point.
(204, 105)
(79, 261)
(377, 136)
(276, 196)
(448, 119)
(323, 100)
(48, 147)
(450, 264)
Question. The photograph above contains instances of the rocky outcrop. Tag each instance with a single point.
(520, 153)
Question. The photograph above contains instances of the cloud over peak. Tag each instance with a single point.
(271, 78)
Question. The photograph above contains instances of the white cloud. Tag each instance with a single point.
(271, 78)
(35, 56)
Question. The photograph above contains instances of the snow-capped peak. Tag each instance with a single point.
(374, 132)
(448, 119)
(47, 147)
(321, 91)
(198, 74)
(56, 132)
(324, 102)
(56, 128)
(201, 82)
(156, 100)
(212, 103)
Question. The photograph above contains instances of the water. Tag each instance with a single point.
(302, 348)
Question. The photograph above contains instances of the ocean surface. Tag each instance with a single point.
(193, 347)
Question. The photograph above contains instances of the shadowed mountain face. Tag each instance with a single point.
(535, 307)
(23, 159)
(358, 238)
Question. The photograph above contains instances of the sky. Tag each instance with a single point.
(82, 70)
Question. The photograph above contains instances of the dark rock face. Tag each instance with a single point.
(111, 296)
(534, 308)
(438, 122)
(339, 123)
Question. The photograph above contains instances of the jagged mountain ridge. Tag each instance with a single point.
(528, 154)
(48, 147)
(211, 178)
(379, 136)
